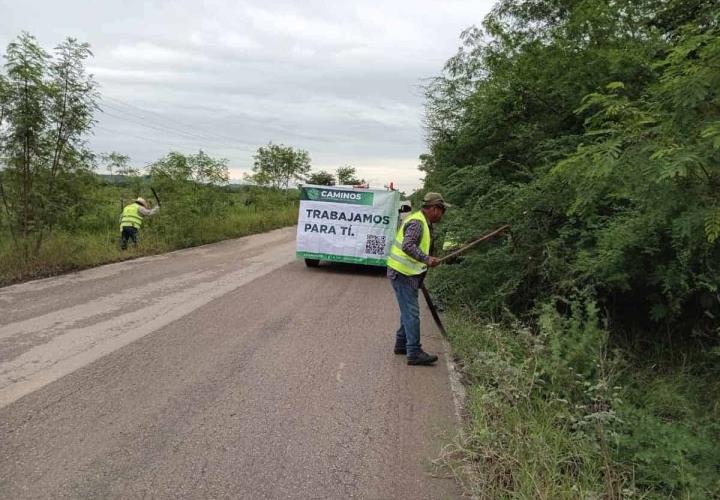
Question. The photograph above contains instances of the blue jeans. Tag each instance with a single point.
(408, 335)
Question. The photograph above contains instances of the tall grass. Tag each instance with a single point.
(516, 443)
(627, 429)
(65, 251)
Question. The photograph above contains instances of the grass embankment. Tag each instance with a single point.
(65, 251)
(544, 422)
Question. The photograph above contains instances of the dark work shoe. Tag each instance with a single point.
(422, 358)
(400, 349)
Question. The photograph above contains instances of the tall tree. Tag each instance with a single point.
(115, 161)
(198, 169)
(188, 185)
(348, 175)
(321, 178)
(279, 165)
(207, 170)
(47, 111)
(24, 122)
(594, 133)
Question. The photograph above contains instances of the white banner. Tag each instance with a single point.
(346, 225)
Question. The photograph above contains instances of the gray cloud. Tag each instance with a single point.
(341, 80)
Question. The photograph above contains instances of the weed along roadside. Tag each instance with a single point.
(589, 339)
(541, 422)
(95, 240)
(574, 144)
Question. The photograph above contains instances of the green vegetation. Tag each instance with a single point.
(321, 178)
(278, 165)
(57, 215)
(199, 215)
(46, 109)
(589, 334)
(346, 175)
(592, 128)
(617, 427)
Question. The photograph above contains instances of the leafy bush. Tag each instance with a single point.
(575, 347)
(595, 135)
(524, 440)
(593, 130)
(539, 428)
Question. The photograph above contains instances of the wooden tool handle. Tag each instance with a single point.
(470, 245)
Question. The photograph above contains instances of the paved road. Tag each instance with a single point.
(224, 371)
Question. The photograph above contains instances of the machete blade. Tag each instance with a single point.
(433, 310)
(157, 198)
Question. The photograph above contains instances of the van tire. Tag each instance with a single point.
(312, 262)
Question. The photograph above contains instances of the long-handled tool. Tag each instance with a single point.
(433, 310)
(155, 195)
(426, 294)
(472, 244)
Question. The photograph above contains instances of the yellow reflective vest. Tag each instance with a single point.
(402, 262)
(131, 216)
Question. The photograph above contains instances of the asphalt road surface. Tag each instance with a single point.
(225, 371)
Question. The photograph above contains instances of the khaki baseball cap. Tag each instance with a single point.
(435, 199)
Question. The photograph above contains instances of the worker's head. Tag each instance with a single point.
(141, 201)
(434, 206)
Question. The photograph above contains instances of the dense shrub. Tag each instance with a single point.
(593, 130)
(596, 134)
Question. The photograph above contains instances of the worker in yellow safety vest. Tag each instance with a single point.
(131, 220)
(407, 263)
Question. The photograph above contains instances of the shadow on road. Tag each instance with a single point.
(343, 268)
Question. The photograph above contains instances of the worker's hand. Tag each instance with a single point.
(433, 262)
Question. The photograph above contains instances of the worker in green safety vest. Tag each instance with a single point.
(131, 220)
(407, 263)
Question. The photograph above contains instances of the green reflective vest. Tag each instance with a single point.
(131, 216)
(402, 262)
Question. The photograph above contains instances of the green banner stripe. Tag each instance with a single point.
(337, 196)
(342, 258)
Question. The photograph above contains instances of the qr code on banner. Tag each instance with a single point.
(375, 245)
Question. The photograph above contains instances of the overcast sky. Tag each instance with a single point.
(341, 80)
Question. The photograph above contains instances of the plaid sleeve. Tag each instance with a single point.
(411, 240)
